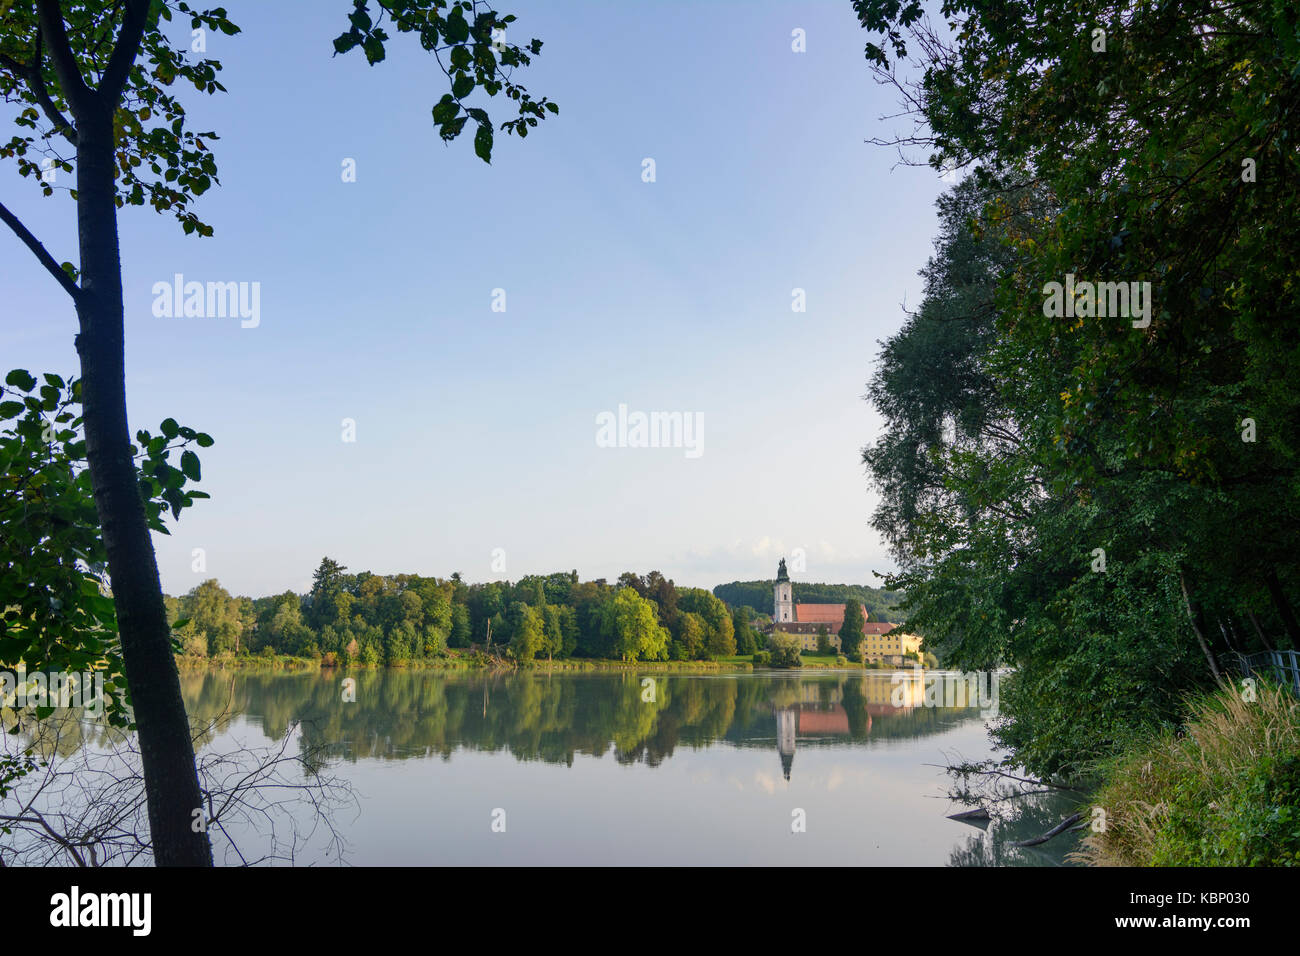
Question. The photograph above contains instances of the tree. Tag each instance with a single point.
(823, 639)
(327, 583)
(460, 632)
(719, 633)
(525, 630)
(1082, 494)
(785, 650)
(746, 642)
(215, 615)
(568, 630)
(79, 71)
(400, 643)
(851, 631)
(689, 642)
(59, 614)
(632, 628)
(663, 592)
(552, 632)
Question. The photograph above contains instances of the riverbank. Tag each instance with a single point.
(1222, 791)
(469, 660)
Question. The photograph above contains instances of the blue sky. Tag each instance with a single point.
(475, 429)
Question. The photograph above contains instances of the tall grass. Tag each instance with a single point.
(1224, 792)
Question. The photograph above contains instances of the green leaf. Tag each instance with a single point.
(190, 465)
(456, 29)
(445, 110)
(170, 428)
(21, 378)
(483, 143)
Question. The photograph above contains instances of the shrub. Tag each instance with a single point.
(784, 649)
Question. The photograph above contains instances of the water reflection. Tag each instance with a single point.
(554, 717)
(641, 768)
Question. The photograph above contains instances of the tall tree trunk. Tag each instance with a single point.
(1193, 615)
(170, 778)
(1227, 638)
(1283, 607)
(1263, 638)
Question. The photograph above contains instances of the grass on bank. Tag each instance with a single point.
(1224, 792)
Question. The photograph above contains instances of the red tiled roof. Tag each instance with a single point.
(820, 614)
(832, 615)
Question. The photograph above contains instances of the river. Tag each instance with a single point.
(626, 768)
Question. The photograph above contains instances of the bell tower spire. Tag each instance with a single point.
(783, 597)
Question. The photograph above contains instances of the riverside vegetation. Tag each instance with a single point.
(409, 620)
(1108, 505)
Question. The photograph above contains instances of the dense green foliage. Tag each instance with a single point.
(399, 619)
(58, 614)
(878, 603)
(1105, 500)
(784, 650)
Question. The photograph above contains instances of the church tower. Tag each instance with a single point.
(783, 605)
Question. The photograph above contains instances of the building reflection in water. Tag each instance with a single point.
(824, 711)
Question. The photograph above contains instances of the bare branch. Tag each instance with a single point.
(41, 253)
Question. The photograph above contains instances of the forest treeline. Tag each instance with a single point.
(398, 619)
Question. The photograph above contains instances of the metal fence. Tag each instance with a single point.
(1280, 666)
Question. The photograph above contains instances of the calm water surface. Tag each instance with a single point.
(601, 768)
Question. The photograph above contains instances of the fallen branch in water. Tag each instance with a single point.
(1060, 828)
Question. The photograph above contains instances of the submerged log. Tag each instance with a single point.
(1056, 830)
(979, 817)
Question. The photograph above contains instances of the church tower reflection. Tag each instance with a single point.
(842, 710)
